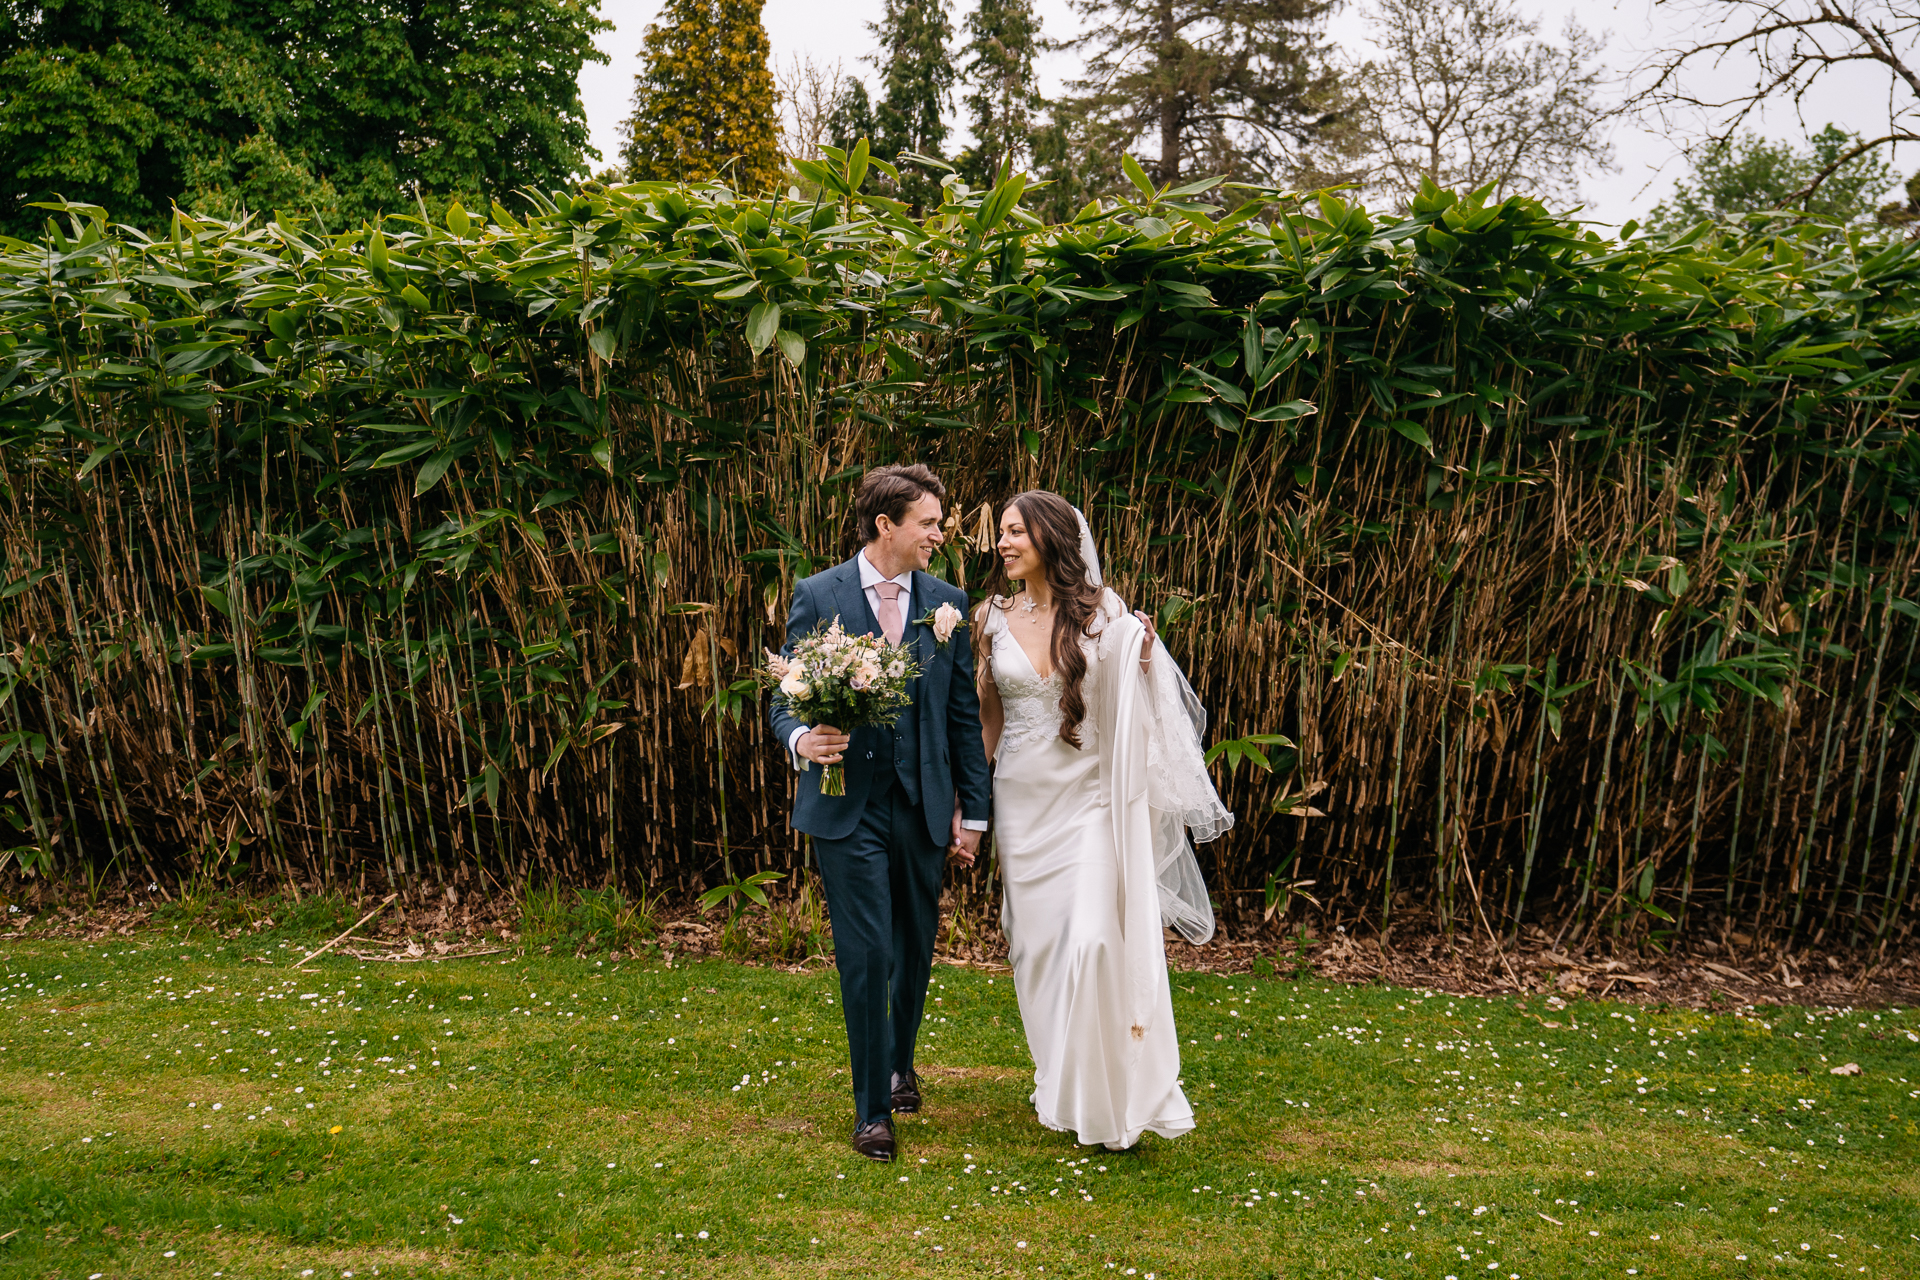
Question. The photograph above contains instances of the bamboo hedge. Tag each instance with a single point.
(1578, 572)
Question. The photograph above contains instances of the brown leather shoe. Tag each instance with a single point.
(906, 1092)
(875, 1140)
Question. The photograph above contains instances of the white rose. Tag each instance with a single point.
(945, 619)
(795, 687)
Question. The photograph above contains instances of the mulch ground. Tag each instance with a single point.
(1708, 968)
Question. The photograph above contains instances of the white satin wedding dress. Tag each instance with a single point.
(1094, 859)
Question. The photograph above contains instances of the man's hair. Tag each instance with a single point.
(889, 491)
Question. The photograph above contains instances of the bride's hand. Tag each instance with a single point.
(964, 844)
(1146, 641)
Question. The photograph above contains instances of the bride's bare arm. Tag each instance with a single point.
(993, 716)
(1118, 607)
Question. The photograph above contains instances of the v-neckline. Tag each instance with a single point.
(1024, 655)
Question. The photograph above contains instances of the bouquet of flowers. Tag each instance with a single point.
(843, 680)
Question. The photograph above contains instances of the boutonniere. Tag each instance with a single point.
(945, 621)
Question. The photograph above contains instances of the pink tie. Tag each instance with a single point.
(890, 621)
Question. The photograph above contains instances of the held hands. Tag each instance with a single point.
(966, 844)
(822, 744)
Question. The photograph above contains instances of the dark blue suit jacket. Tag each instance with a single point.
(945, 713)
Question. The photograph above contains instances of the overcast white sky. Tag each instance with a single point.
(1649, 161)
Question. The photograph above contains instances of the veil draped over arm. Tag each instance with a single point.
(1149, 726)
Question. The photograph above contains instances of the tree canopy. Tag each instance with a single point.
(345, 109)
(916, 85)
(1002, 98)
(1755, 175)
(703, 106)
(1238, 88)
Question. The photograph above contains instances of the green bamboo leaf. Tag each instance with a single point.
(1284, 412)
(1414, 432)
(538, 271)
(404, 453)
(1220, 386)
(997, 205)
(432, 470)
(821, 175)
(96, 458)
(763, 322)
(1251, 351)
(415, 299)
(792, 346)
(1136, 175)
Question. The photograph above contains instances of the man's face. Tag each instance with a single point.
(910, 544)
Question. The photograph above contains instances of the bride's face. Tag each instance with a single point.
(1017, 552)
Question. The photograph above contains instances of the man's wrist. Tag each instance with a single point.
(973, 824)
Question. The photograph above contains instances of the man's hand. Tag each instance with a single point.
(822, 744)
(965, 844)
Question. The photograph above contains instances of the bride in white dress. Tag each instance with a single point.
(1095, 739)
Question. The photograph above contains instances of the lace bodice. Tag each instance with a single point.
(1031, 704)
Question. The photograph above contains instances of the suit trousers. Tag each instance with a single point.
(883, 894)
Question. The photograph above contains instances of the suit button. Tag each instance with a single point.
(869, 755)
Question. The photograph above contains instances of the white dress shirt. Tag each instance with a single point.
(870, 579)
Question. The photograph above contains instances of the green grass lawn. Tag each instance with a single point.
(173, 1110)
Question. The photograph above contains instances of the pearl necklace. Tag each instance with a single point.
(1027, 605)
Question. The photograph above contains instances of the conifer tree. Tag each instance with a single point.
(1002, 100)
(917, 75)
(703, 107)
(1240, 88)
(851, 118)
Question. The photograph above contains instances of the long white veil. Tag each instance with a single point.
(1180, 796)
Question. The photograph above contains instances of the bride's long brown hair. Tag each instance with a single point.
(1054, 531)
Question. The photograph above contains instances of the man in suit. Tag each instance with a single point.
(915, 789)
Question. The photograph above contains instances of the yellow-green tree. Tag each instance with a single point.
(703, 107)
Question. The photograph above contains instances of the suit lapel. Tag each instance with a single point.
(855, 616)
(920, 633)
